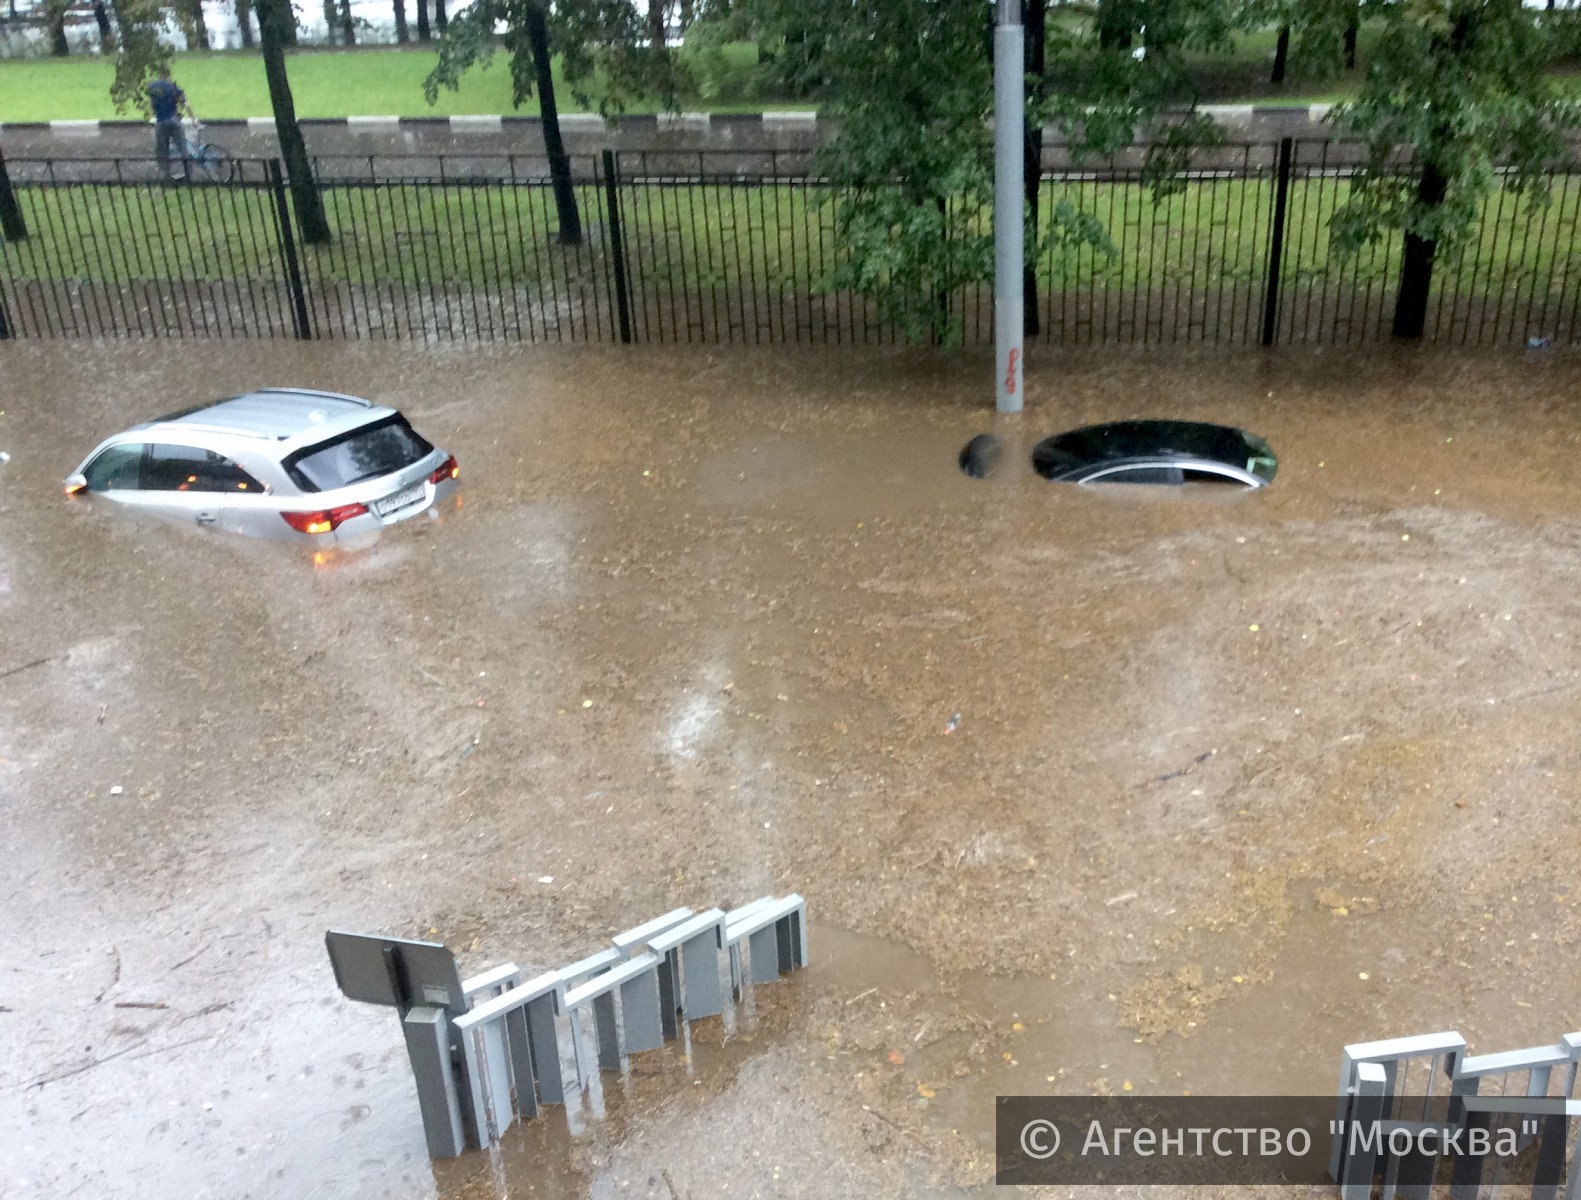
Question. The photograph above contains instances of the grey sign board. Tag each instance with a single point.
(397, 972)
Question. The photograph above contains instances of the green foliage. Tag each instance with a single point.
(910, 83)
(139, 56)
(912, 162)
(1100, 95)
(609, 61)
(1317, 29)
(715, 60)
(469, 42)
(603, 47)
(1459, 87)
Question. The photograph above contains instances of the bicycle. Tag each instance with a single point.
(214, 161)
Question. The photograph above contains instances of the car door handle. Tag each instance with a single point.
(207, 518)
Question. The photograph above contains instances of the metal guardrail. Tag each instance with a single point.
(740, 246)
(488, 1050)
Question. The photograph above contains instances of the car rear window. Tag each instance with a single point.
(366, 453)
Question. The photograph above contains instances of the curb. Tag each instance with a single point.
(1230, 114)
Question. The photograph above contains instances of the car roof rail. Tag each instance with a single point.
(300, 391)
(186, 426)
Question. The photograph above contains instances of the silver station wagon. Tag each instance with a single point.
(287, 463)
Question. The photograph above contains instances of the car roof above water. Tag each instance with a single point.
(278, 414)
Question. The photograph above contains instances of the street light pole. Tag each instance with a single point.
(1009, 189)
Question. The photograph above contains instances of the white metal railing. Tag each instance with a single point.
(496, 1055)
(1382, 1081)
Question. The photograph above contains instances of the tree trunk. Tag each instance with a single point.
(1351, 31)
(348, 30)
(657, 9)
(684, 16)
(1116, 24)
(440, 18)
(200, 29)
(101, 17)
(1036, 45)
(422, 21)
(274, 18)
(1281, 55)
(402, 34)
(554, 146)
(331, 21)
(941, 298)
(244, 22)
(1416, 271)
(12, 223)
(58, 45)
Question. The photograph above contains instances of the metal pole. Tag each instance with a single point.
(617, 246)
(1276, 242)
(300, 322)
(1009, 197)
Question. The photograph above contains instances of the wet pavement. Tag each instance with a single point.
(1236, 778)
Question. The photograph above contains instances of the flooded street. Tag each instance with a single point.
(1236, 779)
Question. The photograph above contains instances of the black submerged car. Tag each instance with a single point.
(1156, 452)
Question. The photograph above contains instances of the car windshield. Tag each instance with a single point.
(364, 453)
(1095, 445)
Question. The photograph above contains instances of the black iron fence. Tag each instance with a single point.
(719, 247)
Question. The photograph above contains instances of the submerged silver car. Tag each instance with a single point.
(288, 463)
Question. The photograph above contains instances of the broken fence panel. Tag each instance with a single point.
(694, 945)
(487, 1049)
(493, 1066)
(1374, 1082)
(775, 932)
(636, 1023)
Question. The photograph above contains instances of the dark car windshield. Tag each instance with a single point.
(1121, 440)
(364, 453)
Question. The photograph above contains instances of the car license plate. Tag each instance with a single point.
(402, 499)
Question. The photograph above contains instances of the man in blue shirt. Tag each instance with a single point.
(168, 102)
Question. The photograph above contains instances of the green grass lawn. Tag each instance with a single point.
(325, 83)
(389, 80)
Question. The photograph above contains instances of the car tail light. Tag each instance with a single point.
(324, 520)
(451, 470)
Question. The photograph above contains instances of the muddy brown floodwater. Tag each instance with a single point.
(704, 619)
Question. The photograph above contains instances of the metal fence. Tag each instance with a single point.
(720, 247)
(1429, 1101)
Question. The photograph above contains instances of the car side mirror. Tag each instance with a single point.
(75, 483)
